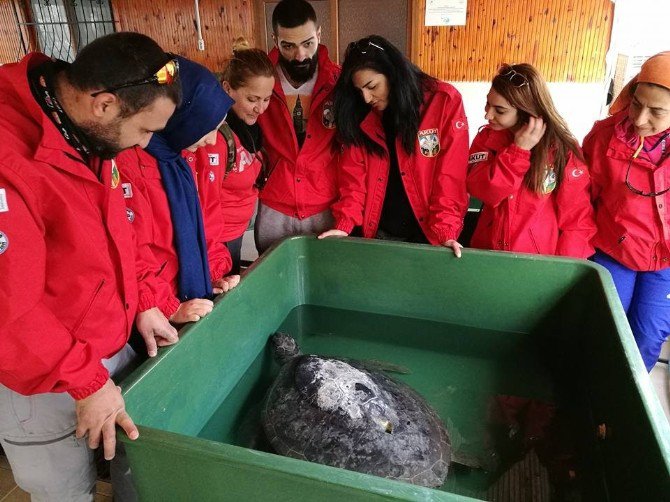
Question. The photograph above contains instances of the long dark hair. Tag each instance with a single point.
(525, 89)
(407, 83)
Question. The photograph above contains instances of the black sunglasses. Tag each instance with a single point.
(516, 79)
(165, 75)
(363, 46)
(630, 163)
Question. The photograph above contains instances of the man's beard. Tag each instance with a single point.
(103, 141)
(299, 72)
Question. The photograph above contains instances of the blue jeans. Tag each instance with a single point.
(645, 297)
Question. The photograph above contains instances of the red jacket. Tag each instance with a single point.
(67, 253)
(632, 229)
(435, 185)
(515, 218)
(302, 181)
(150, 212)
(238, 195)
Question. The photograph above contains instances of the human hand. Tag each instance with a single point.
(530, 134)
(225, 284)
(97, 416)
(333, 233)
(192, 310)
(451, 243)
(156, 330)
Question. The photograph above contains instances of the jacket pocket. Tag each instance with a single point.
(89, 305)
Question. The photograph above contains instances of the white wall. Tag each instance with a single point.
(578, 104)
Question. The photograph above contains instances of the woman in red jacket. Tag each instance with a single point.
(405, 137)
(248, 79)
(527, 169)
(629, 155)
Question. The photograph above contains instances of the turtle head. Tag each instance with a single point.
(284, 347)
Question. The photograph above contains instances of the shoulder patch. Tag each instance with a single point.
(4, 207)
(477, 157)
(576, 173)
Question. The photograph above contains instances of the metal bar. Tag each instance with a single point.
(37, 23)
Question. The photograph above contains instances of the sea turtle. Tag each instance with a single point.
(337, 412)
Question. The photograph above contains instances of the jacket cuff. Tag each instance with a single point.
(101, 377)
(445, 235)
(517, 151)
(170, 306)
(146, 301)
(344, 225)
(218, 270)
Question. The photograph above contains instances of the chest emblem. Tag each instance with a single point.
(328, 116)
(116, 177)
(429, 142)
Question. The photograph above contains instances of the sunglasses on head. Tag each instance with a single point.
(363, 46)
(515, 78)
(165, 75)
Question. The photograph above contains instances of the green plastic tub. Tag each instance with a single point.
(528, 360)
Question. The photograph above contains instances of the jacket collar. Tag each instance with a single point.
(50, 147)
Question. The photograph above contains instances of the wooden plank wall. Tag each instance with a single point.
(565, 39)
(10, 42)
(172, 24)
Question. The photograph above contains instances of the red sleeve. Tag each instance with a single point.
(351, 180)
(153, 290)
(37, 353)
(494, 176)
(209, 192)
(449, 198)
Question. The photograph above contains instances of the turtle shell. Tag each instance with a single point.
(339, 413)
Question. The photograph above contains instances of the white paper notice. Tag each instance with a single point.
(446, 12)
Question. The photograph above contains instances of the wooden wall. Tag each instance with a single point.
(10, 42)
(172, 24)
(566, 39)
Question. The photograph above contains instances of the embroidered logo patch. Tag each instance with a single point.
(127, 190)
(576, 173)
(211, 177)
(213, 159)
(429, 142)
(478, 157)
(130, 214)
(4, 242)
(328, 116)
(549, 182)
(4, 207)
(116, 177)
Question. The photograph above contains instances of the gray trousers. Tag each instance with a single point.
(47, 460)
(272, 226)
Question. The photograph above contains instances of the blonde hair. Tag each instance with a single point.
(247, 62)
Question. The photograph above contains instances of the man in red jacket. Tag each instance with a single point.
(67, 253)
(298, 130)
